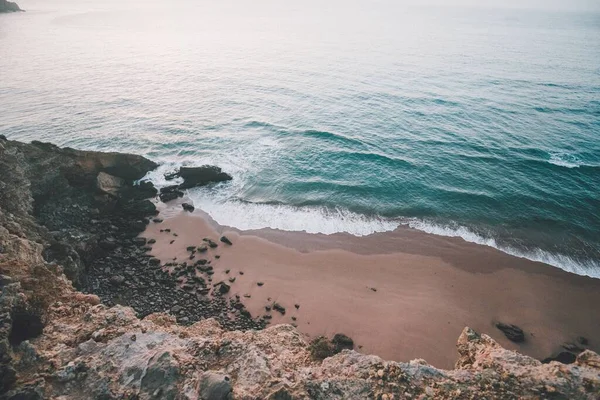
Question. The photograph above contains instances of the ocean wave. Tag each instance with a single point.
(247, 216)
(589, 268)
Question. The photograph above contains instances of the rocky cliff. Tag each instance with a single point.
(8, 6)
(61, 209)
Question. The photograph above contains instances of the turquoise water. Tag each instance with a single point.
(352, 117)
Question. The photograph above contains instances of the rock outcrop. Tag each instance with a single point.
(88, 349)
(8, 6)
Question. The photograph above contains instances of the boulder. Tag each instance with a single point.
(215, 386)
(169, 193)
(226, 240)
(200, 176)
(187, 207)
(512, 332)
(109, 184)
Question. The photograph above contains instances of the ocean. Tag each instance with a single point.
(355, 116)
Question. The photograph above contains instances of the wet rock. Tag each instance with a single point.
(200, 176)
(157, 220)
(225, 240)
(215, 386)
(187, 207)
(512, 332)
(169, 193)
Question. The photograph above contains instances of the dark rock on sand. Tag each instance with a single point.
(512, 332)
(341, 342)
(225, 240)
(187, 207)
(222, 287)
(564, 357)
(200, 176)
(279, 308)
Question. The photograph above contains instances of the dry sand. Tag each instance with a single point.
(427, 288)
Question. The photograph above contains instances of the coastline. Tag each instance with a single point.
(427, 287)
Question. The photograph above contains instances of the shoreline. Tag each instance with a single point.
(428, 287)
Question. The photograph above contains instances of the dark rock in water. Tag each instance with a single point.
(225, 240)
(341, 342)
(169, 193)
(200, 176)
(279, 308)
(512, 332)
(564, 357)
(8, 6)
(187, 207)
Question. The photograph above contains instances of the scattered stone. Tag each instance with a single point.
(217, 256)
(278, 307)
(297, 306)
(117, 279)
(202, 248)
(232, 279)
(222, 287)
(259, 283)
(227, 271)
(225, 240)
(172, 241)
(241, 272)
(373, 289)
(187, 207)
(151, 241)
(191, 248)
(157, 220)
(512, 332)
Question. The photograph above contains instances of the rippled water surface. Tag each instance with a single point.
(333, 116)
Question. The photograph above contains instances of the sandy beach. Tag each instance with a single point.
(400, 295)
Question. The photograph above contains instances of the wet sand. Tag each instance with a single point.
(400, 295)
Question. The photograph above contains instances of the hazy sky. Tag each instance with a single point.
(538, 4)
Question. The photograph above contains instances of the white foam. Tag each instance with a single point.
(589, 268)
(246, 216)
(567, 160)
